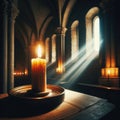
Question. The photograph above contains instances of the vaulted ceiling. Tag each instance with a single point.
(35, 16)
(38, 19)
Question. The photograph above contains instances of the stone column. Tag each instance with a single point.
(4, 47)
(60, 49)
(13, 11)
(110, 71)
(108, 33)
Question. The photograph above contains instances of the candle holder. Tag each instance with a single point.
(37, 93)
(53, 95)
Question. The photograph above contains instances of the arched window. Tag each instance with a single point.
(74, 39)
(53, 48)
(92, 30)
(96, 33)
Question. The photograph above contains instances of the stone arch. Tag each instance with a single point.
(89, 27)
(74, 38)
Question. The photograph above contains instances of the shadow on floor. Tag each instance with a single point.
(14, 108)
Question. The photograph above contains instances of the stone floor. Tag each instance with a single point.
(110, 93)
(75, 106)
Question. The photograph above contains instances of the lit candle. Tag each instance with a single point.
(108, 72)
(38, 74)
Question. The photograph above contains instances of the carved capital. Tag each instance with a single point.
(4, 7)
(12, 11)
(61, 30)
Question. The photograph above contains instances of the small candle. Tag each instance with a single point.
(108, 72)
(38, 74)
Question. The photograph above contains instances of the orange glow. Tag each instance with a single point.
(18, 73)
(38, 74)
(39, 51)
(111, 72)
(26, 71)
(60, 68)
(108, 72)
(110, 62)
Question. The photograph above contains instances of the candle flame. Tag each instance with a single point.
(60, 68)
(108, 72)
(39, 51)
